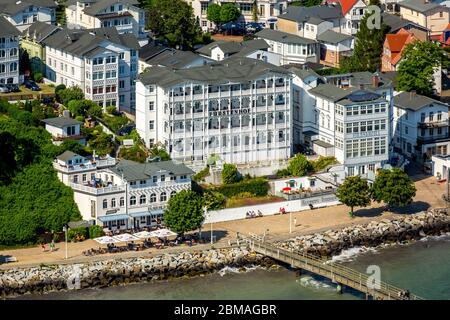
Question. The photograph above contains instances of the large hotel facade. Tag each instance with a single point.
(238, 109)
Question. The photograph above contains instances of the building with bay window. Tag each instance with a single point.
(22, 13)
(102, 62)
(121, 194)
(9, 52)
(238, 109)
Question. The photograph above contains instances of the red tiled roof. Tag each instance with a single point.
(397, 42)
(346, 5)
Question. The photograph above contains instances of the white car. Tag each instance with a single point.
(4, 88)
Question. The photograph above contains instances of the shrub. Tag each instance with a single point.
(214, 200)
(258, 187)
(95, 231)
(201, 175)
(111, 109)
(299, 166)
(230, 174)
(244, 195)
(77, 234)
(59, 87)
(282, 173)
(323, 162)
(38, 77)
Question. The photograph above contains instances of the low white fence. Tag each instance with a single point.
(268, 209)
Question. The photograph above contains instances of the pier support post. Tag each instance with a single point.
(339, 288)
(298, 273)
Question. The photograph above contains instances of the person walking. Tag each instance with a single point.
(295, 222)
(52, 245)
(43, 247)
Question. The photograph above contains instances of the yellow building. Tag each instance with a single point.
(429, 15)
(32, 41)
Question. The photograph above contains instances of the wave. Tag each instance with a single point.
(442, 237)
(351, 254)
(230, 270)
(310, 282)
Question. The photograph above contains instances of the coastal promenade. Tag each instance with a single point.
(429, 195)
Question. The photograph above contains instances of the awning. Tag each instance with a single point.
(113, 217)
(146, 213)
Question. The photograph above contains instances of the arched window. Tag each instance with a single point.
(163, 197)
(13, 67)
(105, 204)
(122, 201)
(113, 202)
(173, 193)
(13, 52)
(142, 199)
(2, 68)
(132, 200)
(152, 198)
(2, 53)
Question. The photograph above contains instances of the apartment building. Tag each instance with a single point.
(421, 126)
(9, 52)
(353, 11)
(238, 109)
(121, 194)
(267, 10)
(22, 13)
(124, 15)
(430, 15)
(393, 46)
(291, 48)
(101, 62)
(346, 116)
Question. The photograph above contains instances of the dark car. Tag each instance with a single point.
(13, 87)
(29, 84)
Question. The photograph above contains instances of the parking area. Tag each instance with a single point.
(27, 94)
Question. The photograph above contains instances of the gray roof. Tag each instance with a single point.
(230, 48)
(303, 73)
(150, 50)
(334, 37)
(282, 37)
(322, 144)
(229, 70)
(12, 7)
(7, 29)
(412, 101)
(66, 156)
(61, 122)
(173, 58)
(421, 5)
(395, 22)
(133, 171)
(303, 14)
(98, 6)
(79, 42)
(364, 78)
(331, 92)
(39, 31)
(315, 20)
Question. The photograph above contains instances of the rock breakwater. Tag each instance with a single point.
(43, 279)
(373, 234)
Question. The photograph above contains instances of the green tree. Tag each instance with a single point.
(230, 174)
(61, 18)
(354, 192)
(159, 151)
(213, 13)
(393, 187)
(173, 22)
(416, 69)
(255, 10)
(184, 212)
(299, 166)
(368, 48)
(24, 61)
(213, 200)
(229, 12)
(68, 94)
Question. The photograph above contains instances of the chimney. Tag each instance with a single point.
(412, 94)
(375, 80)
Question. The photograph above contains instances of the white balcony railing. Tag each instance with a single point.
(96, 191)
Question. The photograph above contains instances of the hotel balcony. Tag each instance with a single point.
(96, 190)
(92, 165)
(432, 139)
(161, 184)
(434, 124)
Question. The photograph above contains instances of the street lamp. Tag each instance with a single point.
(65, 231)
(210, 222)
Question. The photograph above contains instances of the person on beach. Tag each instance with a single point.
(43, 247)
(52, 245)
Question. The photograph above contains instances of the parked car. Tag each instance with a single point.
(13, 87)
(253, 27)
(4, 88)
(30, 84)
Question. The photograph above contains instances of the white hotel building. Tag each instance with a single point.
(121, 195)
(101, 62)
(9, 52)
(23, 13)
(238, 109)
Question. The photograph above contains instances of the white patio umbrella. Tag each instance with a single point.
(125, 237)
(143, 235)
(161, 233)
(105, 240)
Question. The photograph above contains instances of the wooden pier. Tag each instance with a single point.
(337, 273)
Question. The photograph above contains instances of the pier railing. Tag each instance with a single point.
(336, 272)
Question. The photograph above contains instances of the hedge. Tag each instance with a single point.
(259, 187)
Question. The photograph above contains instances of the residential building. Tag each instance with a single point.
(393, 46)
(421, 126)
(153, 54)
(267, 10)
(396, 23)
(124, 194)
(291, 48)
(347, 116)
(440, 166)
(124, 15)
(353, 11)
(64, 128)
(101, 62)
(255, 49)
(334, 46)
(237, 109)
(22, 13)
(9, 52)
(428, 14)
(32, 41)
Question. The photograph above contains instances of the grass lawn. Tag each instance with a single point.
(45, 89)
(242, 202)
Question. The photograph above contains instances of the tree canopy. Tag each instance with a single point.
(417, 67)
(299, 166)
(65, 95)
(184, 212)
(393, 187)
(229, 12)
(213, 13)
(230, 174)
(354, 192)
